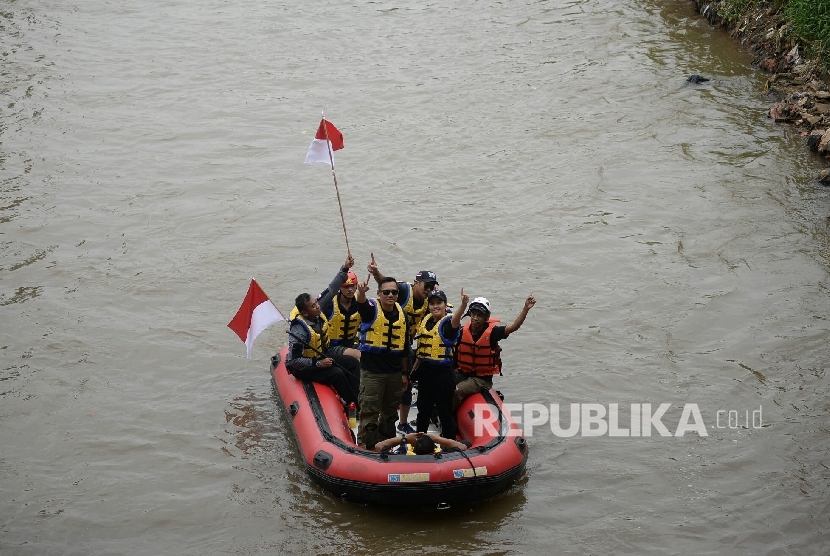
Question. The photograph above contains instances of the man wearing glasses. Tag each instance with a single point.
(338, 305)
(385, 349)
(413, 298)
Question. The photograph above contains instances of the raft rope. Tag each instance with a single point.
(481, 449)
(475, 475)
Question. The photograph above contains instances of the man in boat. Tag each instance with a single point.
(339, 307)
(413, 298)
(436, 339)
(478, 351)
(310, 357)
(422, 444)
(384, 358)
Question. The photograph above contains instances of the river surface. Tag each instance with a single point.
(152, 163)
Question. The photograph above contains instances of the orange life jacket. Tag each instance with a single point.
(478, 356)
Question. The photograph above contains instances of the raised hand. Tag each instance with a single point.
(362, 288)
(372, 267)
(455, 322)
(464, 300)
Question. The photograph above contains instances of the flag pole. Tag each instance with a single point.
(333, 175)
(269, 299)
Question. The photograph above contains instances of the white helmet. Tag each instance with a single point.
(479, 304)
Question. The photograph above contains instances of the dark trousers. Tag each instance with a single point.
(406, 396)
(344, 376)
(436, 387)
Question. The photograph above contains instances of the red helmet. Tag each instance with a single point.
(351, 280)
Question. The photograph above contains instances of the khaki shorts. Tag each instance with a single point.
(471, 385)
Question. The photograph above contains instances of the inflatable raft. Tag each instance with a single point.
(495, 460)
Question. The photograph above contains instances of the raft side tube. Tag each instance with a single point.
(332, 459)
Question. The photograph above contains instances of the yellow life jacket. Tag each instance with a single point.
(415, 315)
(342, 328)
(382, 336)
(432, 345)
(317, 341)
(410, 449)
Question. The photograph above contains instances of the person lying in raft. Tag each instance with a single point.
(421, 444)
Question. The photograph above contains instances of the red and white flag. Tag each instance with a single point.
(255, 315)
(327, 137)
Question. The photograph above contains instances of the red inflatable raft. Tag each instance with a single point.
(490, 466)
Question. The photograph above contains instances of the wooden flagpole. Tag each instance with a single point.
(331, 161)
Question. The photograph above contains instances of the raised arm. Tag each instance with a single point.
(342, 275)
(348, 263)
(362, 288)
(455, 322)
(372, 267)
(529, 302)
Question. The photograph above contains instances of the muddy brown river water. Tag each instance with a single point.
(151, 163)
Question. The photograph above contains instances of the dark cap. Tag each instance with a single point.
(426, 276)
(437, 293)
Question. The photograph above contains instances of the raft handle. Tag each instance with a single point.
(294, 408)
(323, 460)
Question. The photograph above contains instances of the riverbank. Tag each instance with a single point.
(796, 82)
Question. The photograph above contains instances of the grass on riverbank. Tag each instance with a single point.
(807, 23)
(811, 22)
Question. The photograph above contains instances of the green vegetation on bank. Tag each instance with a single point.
(733, 11)
(808, 22)
(811, 22)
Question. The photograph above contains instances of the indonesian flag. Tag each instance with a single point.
(255, 315)
(319, 149)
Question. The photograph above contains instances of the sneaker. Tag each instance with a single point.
(405, 428)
